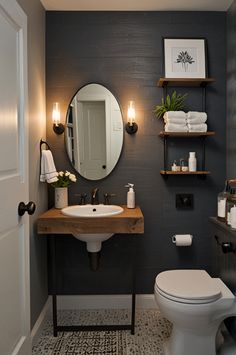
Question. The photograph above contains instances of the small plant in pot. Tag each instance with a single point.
(174, 102)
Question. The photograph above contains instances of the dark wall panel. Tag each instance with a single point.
(231, 91)
(123, 51)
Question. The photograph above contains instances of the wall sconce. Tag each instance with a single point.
(131, 126)
(56, 117)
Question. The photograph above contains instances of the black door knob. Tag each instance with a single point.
(104, 166)
(22, 208)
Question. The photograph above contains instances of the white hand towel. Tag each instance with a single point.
(171, 127)
(174, 114)
(48, 170)
(178, 120)
(197, 127)
(196, 120)
(196, 114)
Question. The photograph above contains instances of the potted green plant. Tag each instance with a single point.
(175, 102)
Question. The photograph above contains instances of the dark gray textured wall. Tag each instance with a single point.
(123, 51)
(225, 266)
(231, 91)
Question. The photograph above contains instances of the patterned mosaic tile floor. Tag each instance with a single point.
(150, 331)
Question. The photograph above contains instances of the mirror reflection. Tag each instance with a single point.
(94, 131)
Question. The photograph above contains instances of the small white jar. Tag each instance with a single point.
(192, 161)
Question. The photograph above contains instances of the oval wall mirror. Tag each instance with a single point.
(94, 131)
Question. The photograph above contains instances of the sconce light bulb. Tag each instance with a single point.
(131, 113)
(56, 118)
(131, 126)
(56, 115)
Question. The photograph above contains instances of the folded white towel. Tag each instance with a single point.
(196, 120)
(172, 127)
(48, 170)
(174, 114)
(177, 120)
(197, 127)
(196, 114)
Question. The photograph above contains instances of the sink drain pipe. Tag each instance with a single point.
(94, 259)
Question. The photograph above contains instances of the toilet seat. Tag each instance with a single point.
(188, 286)
(196, 305)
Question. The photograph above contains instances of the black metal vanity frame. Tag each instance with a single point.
(73, 328)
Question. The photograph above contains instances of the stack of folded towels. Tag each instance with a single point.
(175, 121)
(179, 121)
(196, 121)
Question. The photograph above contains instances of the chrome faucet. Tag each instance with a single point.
(94, 196)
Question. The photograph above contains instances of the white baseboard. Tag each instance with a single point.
(90, 302)
(39, 324)
(105, 302)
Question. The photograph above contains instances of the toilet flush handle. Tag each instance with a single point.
(227, 247)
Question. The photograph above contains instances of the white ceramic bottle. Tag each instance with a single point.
(192, 161)
(130, 196)
(233, 217)
(221, 202)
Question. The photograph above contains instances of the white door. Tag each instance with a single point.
(93, 160)
(14, 233)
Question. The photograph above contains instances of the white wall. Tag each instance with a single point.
(37, 130)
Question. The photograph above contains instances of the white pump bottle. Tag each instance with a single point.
(130, 196)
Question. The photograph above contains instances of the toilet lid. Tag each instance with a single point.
(188, 284)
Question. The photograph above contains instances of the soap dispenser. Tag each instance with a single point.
(130, 196)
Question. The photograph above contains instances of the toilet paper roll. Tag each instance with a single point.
(182, 240)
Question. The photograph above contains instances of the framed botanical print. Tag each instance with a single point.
(185, 58)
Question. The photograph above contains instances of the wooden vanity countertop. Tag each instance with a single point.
(131, 220)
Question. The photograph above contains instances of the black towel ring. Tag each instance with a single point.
(44, 142)
(40, 147)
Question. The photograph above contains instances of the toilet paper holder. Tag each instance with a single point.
(182, 240)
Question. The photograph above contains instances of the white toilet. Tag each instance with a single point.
(196, 304)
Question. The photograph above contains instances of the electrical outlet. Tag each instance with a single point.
(184, 201)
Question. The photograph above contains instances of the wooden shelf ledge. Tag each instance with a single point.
(130, 221)
(186, 134)
(170, 172)
(197, 82)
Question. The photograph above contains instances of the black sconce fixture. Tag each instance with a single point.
(56, 117)
(131, 126)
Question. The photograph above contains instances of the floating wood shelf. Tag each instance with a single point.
(170, 172)
(186, 134)
(131, 220)
(197, 82)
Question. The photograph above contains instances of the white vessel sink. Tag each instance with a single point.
(91, 211)
(93, 241)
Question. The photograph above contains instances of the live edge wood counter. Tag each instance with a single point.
(54, 222)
